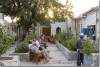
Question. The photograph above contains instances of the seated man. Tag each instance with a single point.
(42, 49)
(45, 51)
(32, 49)
(52, 39)
(37, 54)
(37, 43)
(43, 43)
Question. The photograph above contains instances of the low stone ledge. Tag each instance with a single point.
(95, 59)
(71, 55)
(22, 56)
(92, 59)
(6, 58)
(9, 61)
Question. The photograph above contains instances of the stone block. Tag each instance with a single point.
(22, 56)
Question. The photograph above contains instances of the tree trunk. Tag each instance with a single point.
(12, 18)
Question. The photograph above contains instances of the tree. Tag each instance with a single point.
(10, 8)
(63, 12)
(32, 11)
(60, 12)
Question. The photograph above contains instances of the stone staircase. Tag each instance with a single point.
(58, 59)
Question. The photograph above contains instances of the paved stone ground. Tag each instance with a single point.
(58, 59)
(15, 61)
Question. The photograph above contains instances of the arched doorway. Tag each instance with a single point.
(58, 29)
(46, 31)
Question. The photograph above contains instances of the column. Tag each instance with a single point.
(99, 25)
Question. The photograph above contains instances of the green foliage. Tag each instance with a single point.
(67, 39)
(23, 46)
(5, 41)
(30, 12)
(61, 37)
(88, 46)
(70, 43)
(29, 37)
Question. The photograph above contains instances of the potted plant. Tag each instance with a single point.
(88, 48)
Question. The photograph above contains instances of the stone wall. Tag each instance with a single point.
(67, 53)
(22, 56)
(92, 59)
(61, 25)
(9, 61)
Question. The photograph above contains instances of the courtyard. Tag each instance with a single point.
(49, 33)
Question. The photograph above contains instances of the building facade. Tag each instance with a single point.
(88, 22)
(53, 28)
(58, 26)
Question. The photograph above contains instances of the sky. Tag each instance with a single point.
(80, 6)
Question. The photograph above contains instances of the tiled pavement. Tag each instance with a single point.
(58, 59)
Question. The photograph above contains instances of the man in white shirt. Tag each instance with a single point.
(34, 47)
(37, 43)
(34, 50)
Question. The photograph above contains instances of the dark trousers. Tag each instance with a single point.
(80, 58)
(30, 55)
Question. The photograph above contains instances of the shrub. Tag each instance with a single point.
(70, 43)
(88, 46)
(61, 37)
(5, 41)
(67, 39)
(29, 37)
(22, 48)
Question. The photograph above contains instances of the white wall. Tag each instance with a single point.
(55, 25)
(90, 19)
(97, 25)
